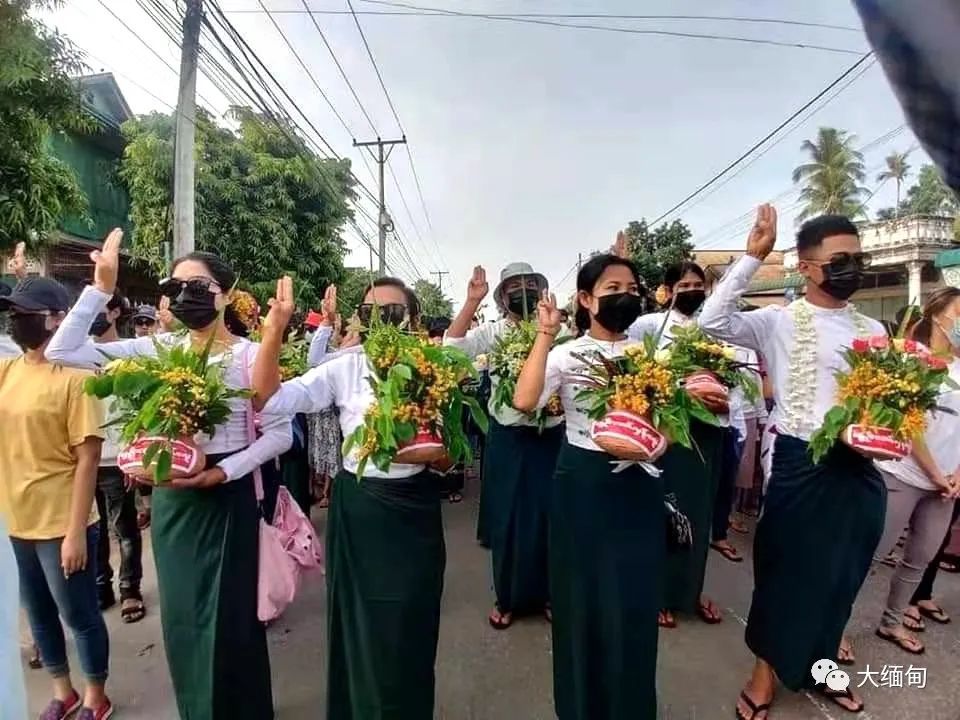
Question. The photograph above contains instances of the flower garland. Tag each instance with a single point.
(795, 417)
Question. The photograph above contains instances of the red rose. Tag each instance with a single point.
(935, 362)
(860, 346)
(879, 342)
(911, 346)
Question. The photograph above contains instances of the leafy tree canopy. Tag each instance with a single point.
(930, 194)
(832, 180)
(433, 303)
(264, 201)
(37, 98)
(654, 251)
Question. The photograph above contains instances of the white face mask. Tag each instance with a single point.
(952, 333)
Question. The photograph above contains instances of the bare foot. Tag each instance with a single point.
(845, 654)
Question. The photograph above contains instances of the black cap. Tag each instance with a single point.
(145, 311)
(37, 293)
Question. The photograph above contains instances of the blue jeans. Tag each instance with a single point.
(47, 595)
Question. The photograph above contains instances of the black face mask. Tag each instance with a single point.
(29, 332)
(617, 312)
(100, 325)
(689, 301)
(196, 311)
(523, 303)
(843, 281)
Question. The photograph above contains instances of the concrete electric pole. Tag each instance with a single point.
(384, 222)
(184, 185)
(440, 274)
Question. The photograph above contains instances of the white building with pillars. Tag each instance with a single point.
(904, 252)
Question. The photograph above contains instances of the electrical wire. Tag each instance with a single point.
(622, 30)
(849, 71)
(571, 16)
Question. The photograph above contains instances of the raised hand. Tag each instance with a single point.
(107, 262)
(549, 318)
(763, 234)
(164, 316)
(18, 263)
(282, 306)
(621, 248)
(328, 307)
(478, 287)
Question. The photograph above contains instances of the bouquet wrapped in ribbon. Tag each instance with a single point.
(710, 368)
(882, 399)
(418, 412)
(162, 404)
(638, 402)
(505, 362)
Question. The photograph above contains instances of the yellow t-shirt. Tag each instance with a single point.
(44, 414)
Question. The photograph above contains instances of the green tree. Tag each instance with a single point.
(930, 194)
(832, 179)
(897, 169)
(433, 303)
(37, 98)
(654, 251)
(264, 201)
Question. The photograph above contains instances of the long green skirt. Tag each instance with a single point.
(521, 462)
(205, 543)
(385, 563)
(693, 476)
(813, 548)
(606, 561)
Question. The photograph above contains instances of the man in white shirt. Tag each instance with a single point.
(820, 523)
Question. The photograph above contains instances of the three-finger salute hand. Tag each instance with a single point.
(107, 262)
(328, 307)
(621, 248)
(478, 286)
(18, 263)
(763, 234)
(549, 318)
(282, 306)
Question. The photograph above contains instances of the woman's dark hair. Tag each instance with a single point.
(674, 274)
(226, 278)
(813, 232)
(939, 300)
(413, 303)
(589, 276)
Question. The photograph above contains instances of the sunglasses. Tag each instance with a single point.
(394, 313)
(173, 287)
(144, 322)
(841, 261)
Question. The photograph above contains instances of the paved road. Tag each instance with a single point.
(485, 675)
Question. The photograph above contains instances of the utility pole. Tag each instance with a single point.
(385, 223)
(440, 274)
(184, 185)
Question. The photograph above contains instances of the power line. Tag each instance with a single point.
(628, 31)
(765, 138)
(569, 16)
(343, 72)
(376, 67)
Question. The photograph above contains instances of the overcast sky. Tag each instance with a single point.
(533, 142)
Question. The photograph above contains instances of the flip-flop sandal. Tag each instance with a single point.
(851, 658)
(704, 611)
(754, 708)
(949, 566)
(938, 615)
(835, 696)
(455, 498)
(34, 662)
(901, 642)
(730, 553)
(132, 613)
(502, 620)
(913, 624)
(665, 622)
(891, 560)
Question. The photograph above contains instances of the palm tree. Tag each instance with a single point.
(897, 169)
(832, 179)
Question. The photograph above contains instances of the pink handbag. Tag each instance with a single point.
(288, 546)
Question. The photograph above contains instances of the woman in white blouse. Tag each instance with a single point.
(692, 475)
(607, 526)
(385, 549)
(204, 528)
